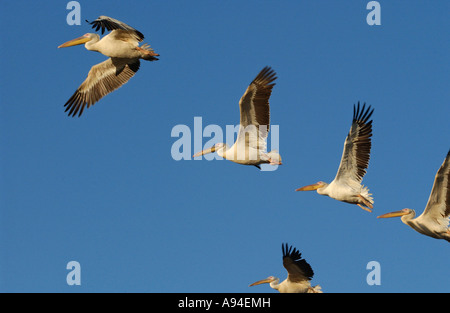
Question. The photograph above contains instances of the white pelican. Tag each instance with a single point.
(299, 271)
(435, 219)
(346, 186)
(250, 146)
(121, 45)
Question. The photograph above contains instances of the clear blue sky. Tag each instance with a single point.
(104, 190)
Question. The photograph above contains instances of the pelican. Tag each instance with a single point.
(299, 271)
(435, 219)
(250, 146)
(121, 45)
(346, 186)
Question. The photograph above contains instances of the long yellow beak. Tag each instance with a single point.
(74, 42)
(206, 151)
(309, 187)
(263, 281)
(393, 214)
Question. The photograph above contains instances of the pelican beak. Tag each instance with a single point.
(263, 281)
(206, 151)
(393, 214)
(74, 42)
(310, 187)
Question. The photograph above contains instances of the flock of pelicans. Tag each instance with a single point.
(121, 45)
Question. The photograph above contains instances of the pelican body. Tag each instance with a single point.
(435, 219)
(299, 277)
(121, 45)
(250, 146)
(346, 186)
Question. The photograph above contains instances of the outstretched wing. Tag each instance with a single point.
(111, 24)
(255, 110)
(102, 79)
(356, 154)
(298, 269)
(438, 206)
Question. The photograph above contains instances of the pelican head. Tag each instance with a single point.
(402, 213)
(216, 147)
(267, 280)
(80, 40)
(315, 186)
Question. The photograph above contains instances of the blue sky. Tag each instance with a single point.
(104, 190)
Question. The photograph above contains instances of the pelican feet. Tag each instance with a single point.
(364, 208)
(147, 51)
(316, 289)
(367, 203)
(274, 162)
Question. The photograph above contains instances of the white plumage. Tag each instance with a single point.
(250, 147)
(121, 45)
(299, 271)
(435, 219)
(347, 186)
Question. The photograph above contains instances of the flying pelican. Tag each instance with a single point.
(250, 146)
(435, 219)
(121, 45)
(299, 271)
(346, 186)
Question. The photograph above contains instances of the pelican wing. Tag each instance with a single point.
(255, 110)
(102, 79)
(438, 206)
(119, 34)
(356, 154)
(111, 24)
(298, 269)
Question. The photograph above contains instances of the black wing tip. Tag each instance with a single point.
(296, 256)
(266, 76)
(105, 22)
(267, 68)
(98, 19)
(447, 156)
(74, 108)
(362, 114)
(97, 25)
(75, 104)
(268, 71)
(290, 251)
